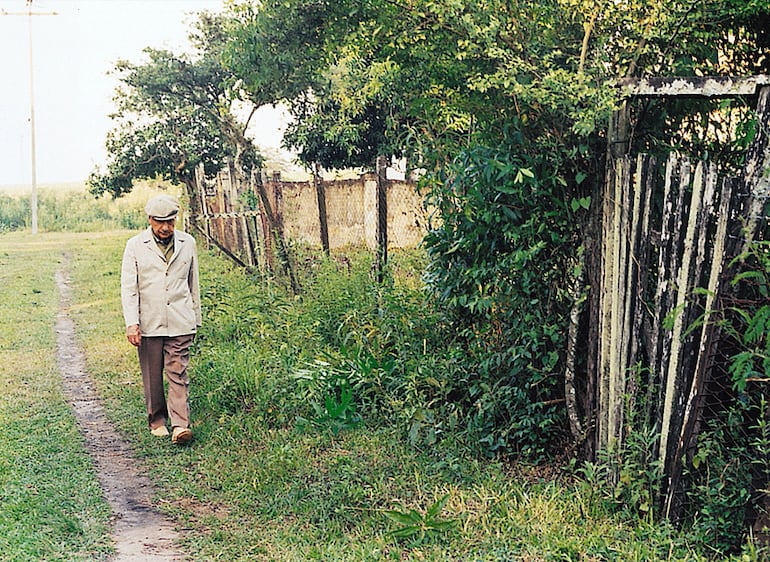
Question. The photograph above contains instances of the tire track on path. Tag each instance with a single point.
(140, 532)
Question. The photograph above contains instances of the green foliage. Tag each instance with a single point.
(378, 338)
(298, 52)
(15, 213)
(251, 333)
(718, 483)
(338, 411)
(312, 495)
(174, 113)
(752, 323)
(632, 476)
(73, 211)
(418, 526)
(366, 351)
(267, 37)
(760, 441)
(428, 78)
(497, 261)
(628, 478)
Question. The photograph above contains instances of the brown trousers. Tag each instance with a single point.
(171, 354)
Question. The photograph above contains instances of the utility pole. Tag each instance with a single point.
(29, 13)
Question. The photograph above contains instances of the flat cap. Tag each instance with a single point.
(162, 207)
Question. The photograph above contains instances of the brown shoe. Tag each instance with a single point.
(181, 435)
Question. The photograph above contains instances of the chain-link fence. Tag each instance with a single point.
(245, 217)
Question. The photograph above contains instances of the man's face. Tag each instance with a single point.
(163, 229)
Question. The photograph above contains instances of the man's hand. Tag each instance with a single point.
(134, 334)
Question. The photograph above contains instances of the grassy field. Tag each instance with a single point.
(50, 502)
(256, 484)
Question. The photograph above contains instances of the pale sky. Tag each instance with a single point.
(72, 52)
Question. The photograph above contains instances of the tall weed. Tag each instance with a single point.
(357, 350)
(249, 341)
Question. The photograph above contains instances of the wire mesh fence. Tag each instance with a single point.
(244, 217)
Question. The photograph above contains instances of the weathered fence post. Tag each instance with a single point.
(756, 175)
(274, 215)
(278, 201)
(709, 331)
(666, 249)
(320, 190)
(202, 207)
(256, 227)
(676, 372)
(382, 216)
(618, 132)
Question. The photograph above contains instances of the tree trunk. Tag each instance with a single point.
(570, 394)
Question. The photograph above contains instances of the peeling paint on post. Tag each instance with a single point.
(694, 86)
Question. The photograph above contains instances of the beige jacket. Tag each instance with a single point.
(163, 298)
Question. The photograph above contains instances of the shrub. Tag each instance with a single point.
(497, 263)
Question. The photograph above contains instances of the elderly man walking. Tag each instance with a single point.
(161, 307)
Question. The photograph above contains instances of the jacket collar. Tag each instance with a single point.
(147, 238)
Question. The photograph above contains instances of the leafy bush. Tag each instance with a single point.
(752, 324)
(497, 263)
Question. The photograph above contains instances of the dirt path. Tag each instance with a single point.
(140, 532)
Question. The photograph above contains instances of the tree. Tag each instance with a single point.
(482, 94)
(364, 79)
(284, 52)
(174, 113)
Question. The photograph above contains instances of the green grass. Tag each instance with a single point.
(254, 484)
(51, 506)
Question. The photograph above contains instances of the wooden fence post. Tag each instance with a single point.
(274, 215)
(676, 372)
(618, 132)
(382, 216)
(323, 222)
(255, 228)
(755, 171)
(203, 209)
(709, 332)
